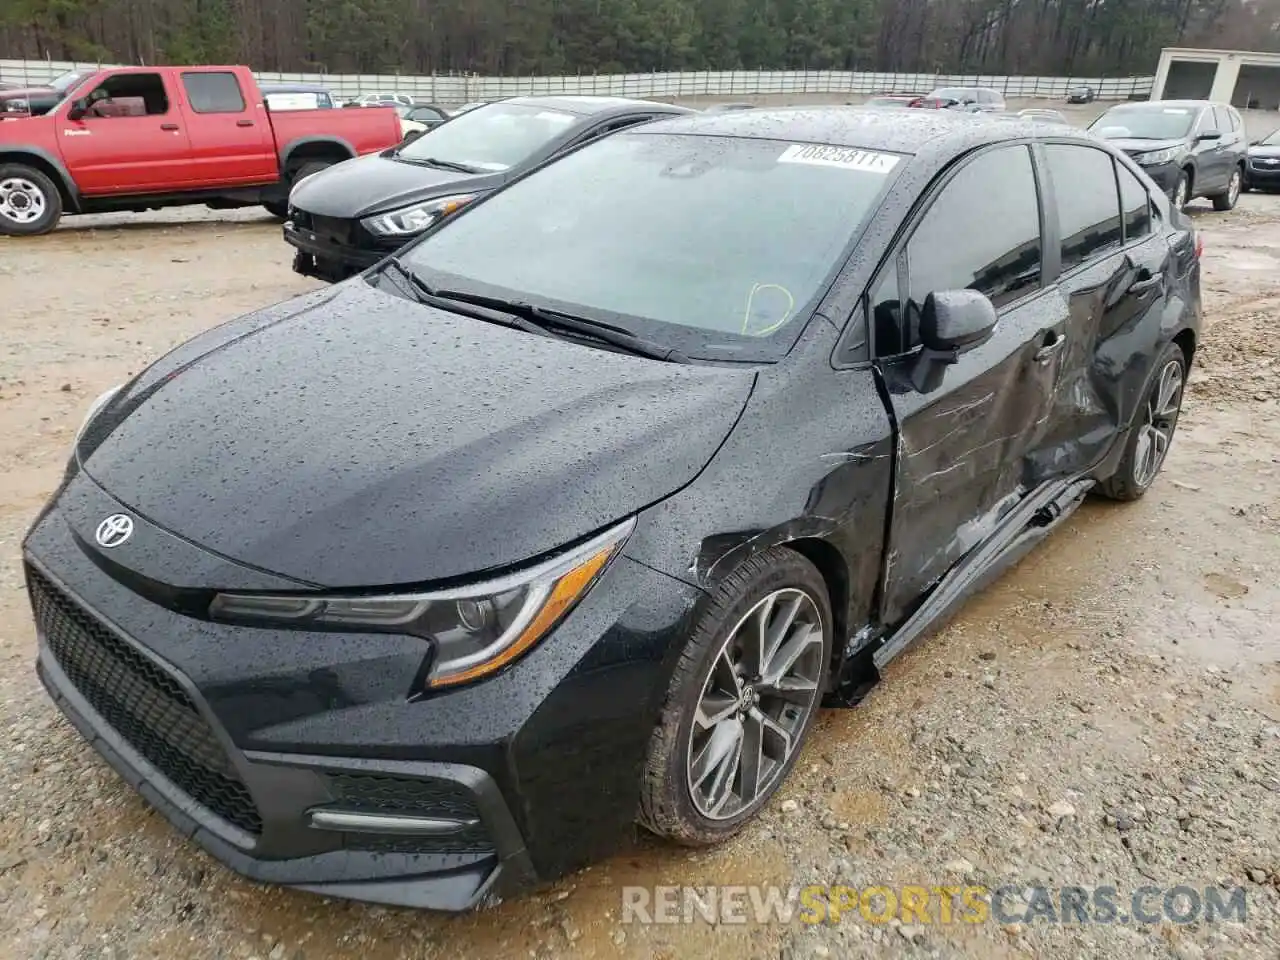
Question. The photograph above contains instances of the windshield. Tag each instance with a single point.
(66, 81)
(714, 246)
(1144, 123)
(1271, 139)
(491, 138)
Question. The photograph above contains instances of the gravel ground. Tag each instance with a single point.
(1107, 714)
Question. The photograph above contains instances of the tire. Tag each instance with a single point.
(1182, 189)
(1134, 475)
(1227, 201)
(280, 208)
(30, 203)
(762, 588)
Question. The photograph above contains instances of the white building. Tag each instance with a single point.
(1249, 80)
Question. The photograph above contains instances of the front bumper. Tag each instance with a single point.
(331, 251)
(241, 742)
(1165, 176)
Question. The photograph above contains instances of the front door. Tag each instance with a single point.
(131, 141)
(965, 448)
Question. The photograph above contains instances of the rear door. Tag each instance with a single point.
(132, 140)
(231, 140)
(965, 450)
(1211, 170)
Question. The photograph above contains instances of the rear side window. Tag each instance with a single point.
(1084, 188)
(982, 232)
(213, 92)
(1135, 205)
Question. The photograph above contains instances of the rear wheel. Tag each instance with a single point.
(1226, 201)
(30, 203)
(1152, 432)
(741, 700)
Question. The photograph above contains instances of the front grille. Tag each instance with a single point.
(143, 703)
(378, 793)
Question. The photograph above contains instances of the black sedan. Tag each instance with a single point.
(1190, 148)
(350, 216)
(1262, 170)
(430, 584)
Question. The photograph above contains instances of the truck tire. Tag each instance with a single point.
(30, 203)
(280, 208)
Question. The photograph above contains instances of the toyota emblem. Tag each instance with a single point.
(114, 530)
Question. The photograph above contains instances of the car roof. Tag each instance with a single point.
(896, 131)
(586, 106)
(1187, 104)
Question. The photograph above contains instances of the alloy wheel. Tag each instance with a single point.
(760, 691)
(1233, 189)
(1180, 194)
(21, 201)
(1158, 422)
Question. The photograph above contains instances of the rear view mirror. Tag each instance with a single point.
(951, 323)
(1209, 135)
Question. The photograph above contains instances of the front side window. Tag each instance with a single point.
(718, 246)
(213, 92)
(981, 233)
(128, 95)
(1084, 189)
(492, 138)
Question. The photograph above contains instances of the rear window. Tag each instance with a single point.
(213, 92)
(718, 246)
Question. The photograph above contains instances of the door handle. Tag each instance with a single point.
(244, 123)
(1146, 281)
(1046, 353)
(168, 126)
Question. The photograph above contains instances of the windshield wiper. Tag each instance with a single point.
(545, 318)
(425, 294)
(446, 164)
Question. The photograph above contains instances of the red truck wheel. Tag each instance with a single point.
(30, 204)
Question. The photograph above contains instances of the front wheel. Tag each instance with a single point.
(1226, 201)
(740, 701)
(30, 203)
(1182, 191)
(1152, 432)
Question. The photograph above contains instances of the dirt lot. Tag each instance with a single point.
(1108, 713)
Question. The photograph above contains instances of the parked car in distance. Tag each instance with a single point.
(350, 217)
(38, 100)
(1262, 167)
(419, 588)
(1191, 148)
(1043, 115)
(965, 99)
(382, 100)
(142, 138)
(1081, 93)
(728, 107)
(297, 96)
(417, 120)
(893, 101)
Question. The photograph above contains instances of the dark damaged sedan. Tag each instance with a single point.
(431, 584)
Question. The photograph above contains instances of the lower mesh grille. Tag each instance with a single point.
(143, 703)
(377, 793)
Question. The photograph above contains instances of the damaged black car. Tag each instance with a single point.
(428, 586)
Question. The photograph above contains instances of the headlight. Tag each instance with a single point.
(1156, 156)
(410, 220)
(94, 409)
(474, 630)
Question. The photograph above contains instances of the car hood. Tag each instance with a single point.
(358, 439)
(1131, 146)
(372, 184)
(1264, 150)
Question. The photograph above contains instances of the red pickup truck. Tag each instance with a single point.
(141, 138)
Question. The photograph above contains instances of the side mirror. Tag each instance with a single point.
(951, 323)
(1209, 135)
(78, 110)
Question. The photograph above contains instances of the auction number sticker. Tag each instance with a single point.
(847, 158)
